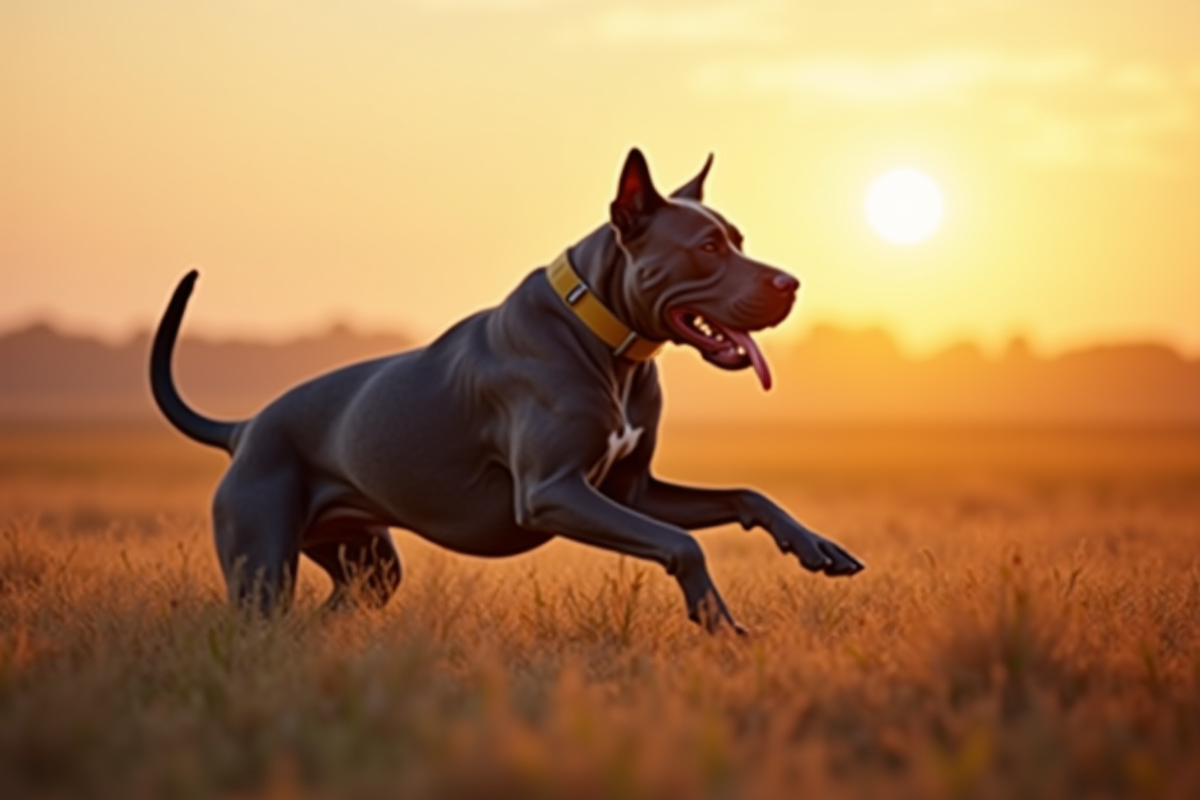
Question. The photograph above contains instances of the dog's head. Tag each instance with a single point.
(692, 282)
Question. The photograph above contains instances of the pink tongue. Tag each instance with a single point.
(756, 357)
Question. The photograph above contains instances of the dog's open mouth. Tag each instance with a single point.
(719, 344)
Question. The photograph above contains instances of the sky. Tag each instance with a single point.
(400, 164)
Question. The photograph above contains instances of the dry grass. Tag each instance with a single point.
(1027, 627)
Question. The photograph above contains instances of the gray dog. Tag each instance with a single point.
(531, 420)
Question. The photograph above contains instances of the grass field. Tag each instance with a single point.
(1027, 627)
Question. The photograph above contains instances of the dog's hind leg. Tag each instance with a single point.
(256, 520)
(360, 559)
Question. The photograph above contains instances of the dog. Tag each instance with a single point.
(534, 419)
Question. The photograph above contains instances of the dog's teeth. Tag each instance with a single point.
(704, 327)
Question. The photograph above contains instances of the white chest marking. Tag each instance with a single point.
(620, 445)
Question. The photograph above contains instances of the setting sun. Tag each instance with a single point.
(904, 206)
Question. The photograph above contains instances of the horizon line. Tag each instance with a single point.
(1018, 339)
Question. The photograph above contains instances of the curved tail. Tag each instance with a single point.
(209, 431)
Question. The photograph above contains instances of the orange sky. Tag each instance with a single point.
(399, 164)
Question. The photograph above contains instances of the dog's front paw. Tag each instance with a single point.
(707, 608)
(818, 554)
(840, 561)
(712, 614)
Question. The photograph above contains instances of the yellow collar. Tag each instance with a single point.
(624, 341)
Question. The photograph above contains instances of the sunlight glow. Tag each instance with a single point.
(904, 206)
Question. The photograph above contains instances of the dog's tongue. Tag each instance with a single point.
(756, 357)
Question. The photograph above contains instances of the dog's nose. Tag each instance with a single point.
(785, 283)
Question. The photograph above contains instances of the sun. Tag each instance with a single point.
(904, 205)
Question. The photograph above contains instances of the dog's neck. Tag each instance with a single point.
(601, 262)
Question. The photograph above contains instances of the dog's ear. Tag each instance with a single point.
(694, 189)
(637, 199)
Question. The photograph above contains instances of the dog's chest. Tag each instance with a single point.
(620, 444)
(623, 438)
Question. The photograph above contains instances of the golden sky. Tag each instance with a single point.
(399, 164)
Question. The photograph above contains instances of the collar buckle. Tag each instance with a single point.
(623, 340)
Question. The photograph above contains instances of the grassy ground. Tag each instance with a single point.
(1027, 627)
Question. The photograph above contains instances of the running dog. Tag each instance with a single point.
(531, 420)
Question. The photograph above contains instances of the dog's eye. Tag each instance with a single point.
(710, 247)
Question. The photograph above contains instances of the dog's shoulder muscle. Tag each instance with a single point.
(563, 396)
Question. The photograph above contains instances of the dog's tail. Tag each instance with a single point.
(209, 431)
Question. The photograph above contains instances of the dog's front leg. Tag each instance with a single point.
(691, 508)
(570, 507)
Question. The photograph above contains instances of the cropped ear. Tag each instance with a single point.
(637, 199)
(694, 189)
